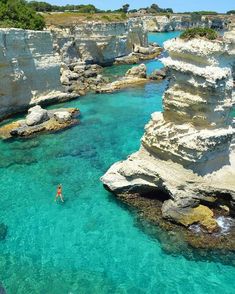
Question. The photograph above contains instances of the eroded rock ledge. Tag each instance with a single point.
(186, 153)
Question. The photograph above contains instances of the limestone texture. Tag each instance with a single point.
(137, 71)
(36, 115)
(187, 153)
(30, 71)
(164, 23)
(96, 42)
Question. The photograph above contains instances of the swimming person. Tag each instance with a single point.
(59, 193)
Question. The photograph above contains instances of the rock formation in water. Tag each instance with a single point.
(186, 157)
(30, 71)
(37, 70)
(40, 120)
(84, 47)
(134, 76)
(163, 23)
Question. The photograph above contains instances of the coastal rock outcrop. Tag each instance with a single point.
(96, 42)
(82, 78)
(167, 23)
(137, 71)
(158, 75)
(30, 71)
(134, 76)
(186, 158)
(40, 120)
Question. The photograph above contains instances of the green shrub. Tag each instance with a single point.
(17, 14)
(207, 33)
(106, 18)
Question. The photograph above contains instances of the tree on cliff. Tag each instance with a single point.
(41, 6)
(231, 12)
(125, 8)
(154, 8)
(17, 14)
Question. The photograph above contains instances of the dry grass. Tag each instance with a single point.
(69, 18)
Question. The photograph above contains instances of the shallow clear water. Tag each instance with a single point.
(91, 243)
(160, 38)
(114, 72)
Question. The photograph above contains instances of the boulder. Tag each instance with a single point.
(90, 73)
(37, 115)
(187, 216)
(142, 50)
(3, 231)
(63, 116)
(68, 76)
(79, 68)
(139, 71)
(127, 59)
(158, 75)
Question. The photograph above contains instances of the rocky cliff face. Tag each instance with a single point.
(30, 72)
(99, 43)
(197, 104)
(186, 150)
(181, 22)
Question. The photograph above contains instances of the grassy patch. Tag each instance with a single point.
(207, 33)
(68, 18)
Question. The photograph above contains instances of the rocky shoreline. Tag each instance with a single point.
(186, 153)
(80, 78)
(148, 209)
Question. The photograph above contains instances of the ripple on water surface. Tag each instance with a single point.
(89, 244)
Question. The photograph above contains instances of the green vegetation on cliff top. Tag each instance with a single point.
(207, 33)
(17, 14)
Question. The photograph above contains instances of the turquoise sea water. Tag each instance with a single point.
(91, 243)
(118, 71)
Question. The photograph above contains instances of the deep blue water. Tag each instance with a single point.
(91, 243)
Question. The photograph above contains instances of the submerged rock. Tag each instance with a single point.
(190, 215)
(2, 290)
(3, 232)
(187, 151)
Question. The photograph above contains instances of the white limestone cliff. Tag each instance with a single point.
(96, 42)
(163, 23)
(30, 71)
(186, 150)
